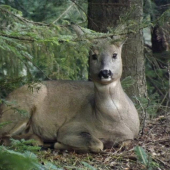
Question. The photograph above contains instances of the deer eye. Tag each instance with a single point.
(114, 56)
(94, 57)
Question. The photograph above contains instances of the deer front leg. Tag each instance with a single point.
(78, 141)
(18, 133)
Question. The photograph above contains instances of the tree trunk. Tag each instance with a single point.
(161, 33)
(106, 13)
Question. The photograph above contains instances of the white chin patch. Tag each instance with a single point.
(105, 79)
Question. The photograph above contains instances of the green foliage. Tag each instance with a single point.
(21, 155)
(8, 83)
(150, 9)
(50, 166)
(10, 159)
(151, 106)
(142, 155)
(12, 105)
(155, 13)
(157, 83)
(56, 11)
(32, 51)
(144, 158)
(3, 124)
(127, 82)
(89, 167)
(24, 145)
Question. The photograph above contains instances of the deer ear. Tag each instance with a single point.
(118, 40)
(121, 35)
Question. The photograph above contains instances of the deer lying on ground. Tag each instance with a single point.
(78, 115)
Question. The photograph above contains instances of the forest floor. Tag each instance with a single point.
(154, 155)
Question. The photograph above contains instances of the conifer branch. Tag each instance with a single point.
(66, 11)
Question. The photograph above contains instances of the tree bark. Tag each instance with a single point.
(161, 33)
(106, 13)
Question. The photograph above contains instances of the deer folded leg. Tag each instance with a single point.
(5, 138)
(81, 142)
(18, 129)
(60, 146)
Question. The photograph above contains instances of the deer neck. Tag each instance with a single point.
(108, 99)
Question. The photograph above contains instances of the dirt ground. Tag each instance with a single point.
(155, 140)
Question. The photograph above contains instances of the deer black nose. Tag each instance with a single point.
(105, 74)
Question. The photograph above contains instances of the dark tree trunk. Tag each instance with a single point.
(161, 33)
(106, 13)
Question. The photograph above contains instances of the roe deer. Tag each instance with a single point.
(78, 115)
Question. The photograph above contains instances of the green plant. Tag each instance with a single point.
(24, 145)
(145, 158)
(89, 167)
(12, 160)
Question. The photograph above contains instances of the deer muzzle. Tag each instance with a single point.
(105, 75)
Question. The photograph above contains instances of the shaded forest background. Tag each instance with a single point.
(37, 43)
